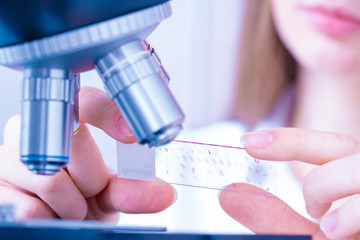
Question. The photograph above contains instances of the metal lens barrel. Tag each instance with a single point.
(137, 82)
(46, 125)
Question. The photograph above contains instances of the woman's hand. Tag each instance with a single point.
(337, 176)
(86, 189)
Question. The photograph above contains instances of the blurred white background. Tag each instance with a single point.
(198, 46)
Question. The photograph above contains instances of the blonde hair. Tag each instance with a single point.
(266, 67)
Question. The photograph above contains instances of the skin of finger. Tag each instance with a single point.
(309, 146)
(348, 218)
(87, 168)
(96, 212)
(135, 196)
(58, 191)
(257, 210)
(97, 109)
(26, 206)
(12, 131)
(330, 182)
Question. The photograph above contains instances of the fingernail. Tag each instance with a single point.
(260, 139)
(124, 128)
(220, 191)
(328, 223)
(175, 195)
(233, 185)
(307, 209)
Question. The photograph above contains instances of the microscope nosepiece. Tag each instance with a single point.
(112, 40)
(136, 80)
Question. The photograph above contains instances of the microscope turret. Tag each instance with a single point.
(53, 41)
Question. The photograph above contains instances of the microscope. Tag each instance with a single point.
(53, 41)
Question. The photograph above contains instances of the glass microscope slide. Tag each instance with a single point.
(195, 164)
(212, 166)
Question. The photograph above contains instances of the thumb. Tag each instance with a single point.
(263, 213)
(12, 131)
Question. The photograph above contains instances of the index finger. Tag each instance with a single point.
(97, 109)
(284, 144)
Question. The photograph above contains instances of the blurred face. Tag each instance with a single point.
(322, 35)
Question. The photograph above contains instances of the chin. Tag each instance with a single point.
(334, 69)
(339, 66)
(338, 63)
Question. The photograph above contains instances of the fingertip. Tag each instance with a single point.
(174, 191)
(316, 211)
(97, 109)
(342, 222)
(247, 204)
(257, 140)
(236, 195)
(123, 133)
(176, 195)
(317, 201)
(329, 222)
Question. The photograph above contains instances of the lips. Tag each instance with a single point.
(333, 20)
